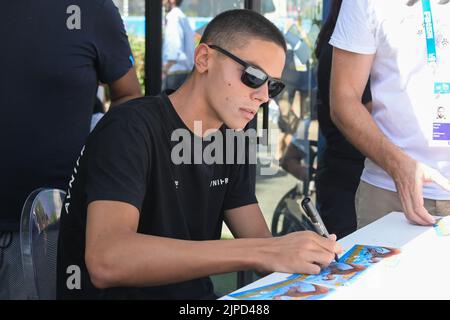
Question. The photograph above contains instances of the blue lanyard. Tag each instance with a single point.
(429, 32)
(439, 87)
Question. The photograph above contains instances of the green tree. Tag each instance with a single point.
(138, 48)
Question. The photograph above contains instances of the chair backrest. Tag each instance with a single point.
(39, 228)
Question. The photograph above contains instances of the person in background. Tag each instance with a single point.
(296, 159)
(341, 164)
(403, 46)
(56, 52)
(178, 47)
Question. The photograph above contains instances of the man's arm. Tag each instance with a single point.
(247, 222)
(116, 255)
(349, 76)
(126, 88)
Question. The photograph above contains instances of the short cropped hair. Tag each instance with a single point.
(234, 28)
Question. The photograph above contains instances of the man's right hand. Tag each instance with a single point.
(409, 177)
(299, 252)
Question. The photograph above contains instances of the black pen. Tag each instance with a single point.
(316, 220)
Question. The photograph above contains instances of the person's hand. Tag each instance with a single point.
(409, 177)
(299, 252)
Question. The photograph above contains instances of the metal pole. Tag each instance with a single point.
(153, 47)
(253, 5)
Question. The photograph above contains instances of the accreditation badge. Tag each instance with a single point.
(440, 109)
(441, 121)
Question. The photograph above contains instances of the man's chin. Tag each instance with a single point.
(236, 126)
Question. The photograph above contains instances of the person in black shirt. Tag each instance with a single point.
(54, 54)
(341, 164)
(138, 223)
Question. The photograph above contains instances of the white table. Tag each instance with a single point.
(421, 271)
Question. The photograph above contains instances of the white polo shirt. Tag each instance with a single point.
(402, 81)
(179, 42)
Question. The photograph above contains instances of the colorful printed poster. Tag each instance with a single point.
(313, 287)
(442, 226)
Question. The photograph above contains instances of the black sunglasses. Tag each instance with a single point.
(252, 76)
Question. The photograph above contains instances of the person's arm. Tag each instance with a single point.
(247, 222)
(126, 88)
(116, 255)
(114, 60)
(369, 106)
(349, 76)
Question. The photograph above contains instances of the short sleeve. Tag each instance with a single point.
(241, 191)
(354, 31)
(118, 162)
(113, 49)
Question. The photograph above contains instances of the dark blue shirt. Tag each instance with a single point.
(49, 75)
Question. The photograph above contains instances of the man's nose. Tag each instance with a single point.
(262, 93)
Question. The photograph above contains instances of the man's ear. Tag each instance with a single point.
(201, 58)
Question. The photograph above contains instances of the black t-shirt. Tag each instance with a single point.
(341, 163)
(128, 158)
(49, 75)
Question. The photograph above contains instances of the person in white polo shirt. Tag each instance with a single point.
(404, 47)
(178, 47)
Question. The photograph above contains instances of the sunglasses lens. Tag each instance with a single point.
(275, 88)
(253, 77)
